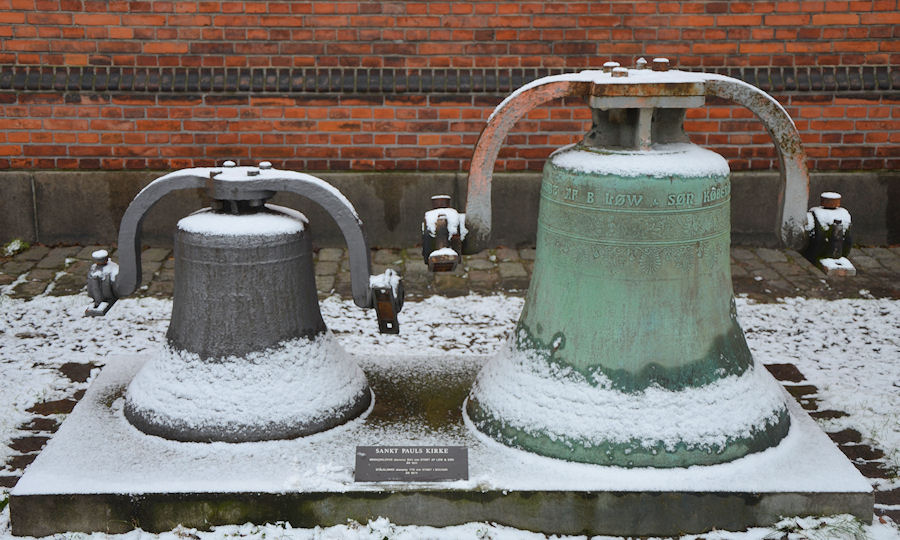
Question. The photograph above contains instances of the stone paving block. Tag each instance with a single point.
(34, 253)
(28, 444)
(479, 264)
(505, 254)
(56, 258)
(379, 268)
(342, 284)
(450, 285)
(892, 264)
(85, 252)
(330, 254)
(155, 254)
(386, 256)
(738, 271)
(512, 270)
(800, 262)
(165, 274)
(781, 286)
(79, 267)
(482, 280)
(8, 481)
(160, 289)
(527, 254)
(879, 252)
(41, 274)
(326, 268)
(765, 273)
(169, 263)
(752, 264)
(742, 254)
(67, 285)
(415, 266)
(16, 267)
(788, 269)
(324, 284)
(29, 289)
(21, 461)
(148, 269)
(40, 423)
(771, 255)
(483, 254)
(6, 279)
(865, 262)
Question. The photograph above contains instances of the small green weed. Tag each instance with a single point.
(13, 247)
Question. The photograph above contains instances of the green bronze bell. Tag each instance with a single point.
(628, 351)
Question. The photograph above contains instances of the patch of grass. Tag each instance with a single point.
(3, 502)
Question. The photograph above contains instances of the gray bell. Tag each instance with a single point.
(248, 356)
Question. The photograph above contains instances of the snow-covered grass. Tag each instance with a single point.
(849, 349)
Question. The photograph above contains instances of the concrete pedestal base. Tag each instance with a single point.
(101, 474)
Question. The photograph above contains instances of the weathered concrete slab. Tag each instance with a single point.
(100, 474)
(86, 206)
(16, 207)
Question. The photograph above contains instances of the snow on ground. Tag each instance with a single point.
(849, 349)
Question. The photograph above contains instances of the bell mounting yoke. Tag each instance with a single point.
(644, 90)
(231, 183)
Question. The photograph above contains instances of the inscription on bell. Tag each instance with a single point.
(716, 193)
(685, 198)
(631, 200)
(615, 199)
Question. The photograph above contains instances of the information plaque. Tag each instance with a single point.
(411, 463)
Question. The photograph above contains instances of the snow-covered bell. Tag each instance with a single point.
(248, 356)
(628, 351)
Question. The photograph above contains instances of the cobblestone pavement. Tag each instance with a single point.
(760, 273)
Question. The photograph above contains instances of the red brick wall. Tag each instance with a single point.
(351, 85)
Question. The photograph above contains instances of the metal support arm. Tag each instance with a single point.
(794, 186)
(245, 183)
(130, 230)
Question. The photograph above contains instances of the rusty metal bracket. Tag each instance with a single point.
(641, 86)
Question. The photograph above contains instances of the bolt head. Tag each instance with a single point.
(252, 172)
(440, 201)
(620, 72)
(265, 165)
(660, 64)
(830, 199)
(101, 256)
(229, 163)
(608, 66)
